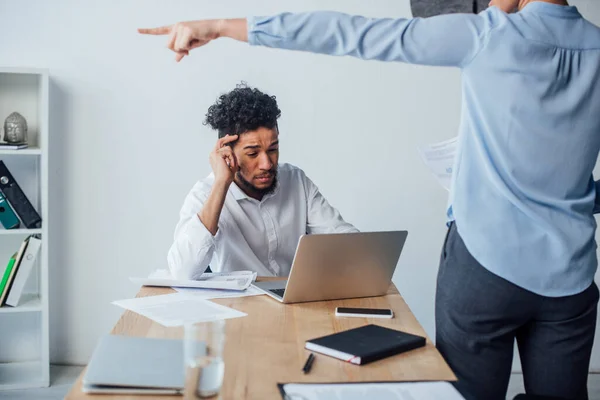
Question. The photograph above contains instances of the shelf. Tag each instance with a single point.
(24, 346)
(30, 151)
(20, 231)
(21, 375)
(23, 70)
(29, 303)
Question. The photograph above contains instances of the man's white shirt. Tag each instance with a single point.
(261, 236)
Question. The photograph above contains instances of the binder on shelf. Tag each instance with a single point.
(7, 273)
(11, 274)
(15, 293)
(17, 199)
(8, 218)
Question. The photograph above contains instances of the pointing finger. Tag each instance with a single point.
(163, 30)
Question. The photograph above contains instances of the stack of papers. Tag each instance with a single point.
(178, 309)
(237, 280)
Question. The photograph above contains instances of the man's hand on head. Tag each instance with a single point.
(223, 161)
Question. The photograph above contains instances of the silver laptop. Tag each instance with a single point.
(339, 266)
(134, 365)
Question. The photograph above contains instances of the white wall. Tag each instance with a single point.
(128, 142)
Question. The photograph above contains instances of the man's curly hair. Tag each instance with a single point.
(241, 110)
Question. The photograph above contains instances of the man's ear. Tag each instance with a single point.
(430, 8)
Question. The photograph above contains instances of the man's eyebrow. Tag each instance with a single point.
(256, 146)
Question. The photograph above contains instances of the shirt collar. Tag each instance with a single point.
(541, 7)
(239, 194)
(274, 192)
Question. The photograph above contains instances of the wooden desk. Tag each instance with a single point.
(267, 346)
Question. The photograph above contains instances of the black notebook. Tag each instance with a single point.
(365, 344)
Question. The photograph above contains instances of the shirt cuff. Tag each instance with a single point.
(251, 25)
(264, 31)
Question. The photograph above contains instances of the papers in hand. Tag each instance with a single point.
(379, 391)
(236, 280)
(177, 309)
(439, 157)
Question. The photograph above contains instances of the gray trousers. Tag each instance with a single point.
(479, 315)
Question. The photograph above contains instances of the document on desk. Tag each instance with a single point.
(379, 391)
(219, 293)
(177, 309)
(236, 280)
(439, 157)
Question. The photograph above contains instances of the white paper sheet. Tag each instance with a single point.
(237, 280)
(379, 391)
(219, 293)
(177, 309)
(439, 157)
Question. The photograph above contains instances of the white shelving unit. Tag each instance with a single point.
(24, 330)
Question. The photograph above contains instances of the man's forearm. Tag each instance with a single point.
(445, 40)
(211, 211)
(233, 28)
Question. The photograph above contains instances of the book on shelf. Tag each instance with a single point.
(10, 272)
(13, 146)
(15, 294)
(7, 272)
(17, 199)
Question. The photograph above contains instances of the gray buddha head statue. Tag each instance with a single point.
(15, 128)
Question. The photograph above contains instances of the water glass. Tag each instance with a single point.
(203, 357)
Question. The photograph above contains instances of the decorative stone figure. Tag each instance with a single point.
(15, 128)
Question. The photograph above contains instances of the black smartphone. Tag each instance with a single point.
(364, 312)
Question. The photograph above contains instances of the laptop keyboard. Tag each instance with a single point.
(278, 292)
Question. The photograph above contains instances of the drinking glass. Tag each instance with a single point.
(203, 357)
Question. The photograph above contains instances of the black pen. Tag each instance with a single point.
(308, 364)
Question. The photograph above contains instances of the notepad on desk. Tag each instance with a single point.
(370, 390)
(365, 344)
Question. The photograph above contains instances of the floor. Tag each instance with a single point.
(61, 380)
(62, 377)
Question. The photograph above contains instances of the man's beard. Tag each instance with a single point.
(248, 187)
